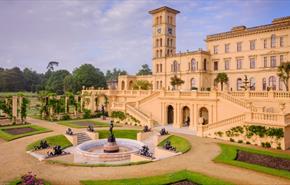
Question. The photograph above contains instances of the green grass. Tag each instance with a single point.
(181, 144)
(229, 152)
(162, 180)
(63, 163)
(27, 94)
(8, 137)
(70, 123)
(52, 141)
(128, 134)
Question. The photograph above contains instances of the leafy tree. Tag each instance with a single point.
(284, 73)
(87, 75)
(175, 81)
(221, 78)
(32, 80)
(55, 83)
(70, 85)
(142, 85)
(51, 65)
(12, 80)
(145, 70)
(113, 75)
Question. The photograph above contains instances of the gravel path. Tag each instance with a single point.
(14, 162)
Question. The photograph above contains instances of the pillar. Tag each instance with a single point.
(191, 124)
(14, 108)
(66, 105)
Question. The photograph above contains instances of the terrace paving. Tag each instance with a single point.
(14, 162)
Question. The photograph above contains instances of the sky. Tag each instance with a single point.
(114, 33)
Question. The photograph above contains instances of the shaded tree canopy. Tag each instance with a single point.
(55, 82)
(142, 85)
(113, 75)
(145, 70)
(284, 73)
(221, 78)
(51, 65)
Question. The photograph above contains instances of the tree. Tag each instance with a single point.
(142, 85)
(87, 75)
(55, 83)
(284, 73)
(175, 81)
(12, 80)
(70, 84)
(51, 65)
(145, 70)
(221, 78)
(111, 76)
(32, 80)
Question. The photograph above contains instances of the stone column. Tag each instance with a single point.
(66, 105)
(20, 100)
(76, 104)
(82, 103)
(191, 124)
(14, 108)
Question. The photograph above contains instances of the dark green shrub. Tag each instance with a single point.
(240, 141)
(232, 140)
(266, 145)
(275, 132)
(248, 143)
(118, 114)
(65, 117)
(87, 114)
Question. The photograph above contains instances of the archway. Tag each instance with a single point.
(170, 114)
(123, 85)
(203, 113)
(130, 85)
(185, 116)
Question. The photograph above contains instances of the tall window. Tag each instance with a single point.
(252, 45)
(171, 42)
(273, 61)
(239, 46)
(160, 19)
(215, 66)
(273, 41)
(157, 53)
(227, 64)
(265, 62)
(252, 63)
(160, 53)
(239, 63)
(160, 68)
(252, 84)
(281, 58)
(160, 42)
(239, 84)
(157, 20)
(157, 68)
(204, 65)
(215, 49)
(174, 66)
(157, 42)
(227, 48)
(193, 83)
(157, 85)
(265, 43)
(272, 82)
(193, 65)
(264, 82)
(160, 84)
(281, 41)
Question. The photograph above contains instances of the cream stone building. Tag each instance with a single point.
(200, 105)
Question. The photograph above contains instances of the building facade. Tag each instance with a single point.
(199, 104)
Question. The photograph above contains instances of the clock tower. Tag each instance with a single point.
(164, 32)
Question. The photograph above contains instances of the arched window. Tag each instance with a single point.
(160, 43)
(264, 82)
(171, 42)
(157, 68)
(157, 85)
(252, 84)
(157, 20)
(193, 83)
(160, 19)
(161, 53)
(167, 41)
(239, 84)
(272, 82)
(160, 68)
(193, 65)
(160, 84)
(157, 42)
(174, 66)
(273, 41)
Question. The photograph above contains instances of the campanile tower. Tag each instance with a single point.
(164, 32)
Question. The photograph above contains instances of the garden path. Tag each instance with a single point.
(14, 162)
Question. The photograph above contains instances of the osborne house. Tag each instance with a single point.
(253, 94)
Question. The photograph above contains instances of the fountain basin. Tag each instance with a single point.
(92, 152)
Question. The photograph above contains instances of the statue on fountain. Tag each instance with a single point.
(111, 146)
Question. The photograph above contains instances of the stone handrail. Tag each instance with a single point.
(233, 99)
(230, 121)
(138, 114)
(268, 118)
(261, 94)
(154, 94)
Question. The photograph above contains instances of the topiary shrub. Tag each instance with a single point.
(232, 140)
(266, 144)
(248, 143)
(65, 117)
(240, 141)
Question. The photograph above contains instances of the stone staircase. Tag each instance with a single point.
(82, 137)
(141, 116)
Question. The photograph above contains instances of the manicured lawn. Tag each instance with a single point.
(128, 134)
(8, 137)
(181, 144)
(162, 180)
(229, 152)
(83, 123)
(52, 141)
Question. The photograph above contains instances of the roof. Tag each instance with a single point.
(164, 8)
(278, 23)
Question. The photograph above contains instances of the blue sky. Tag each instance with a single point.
(114, 33)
